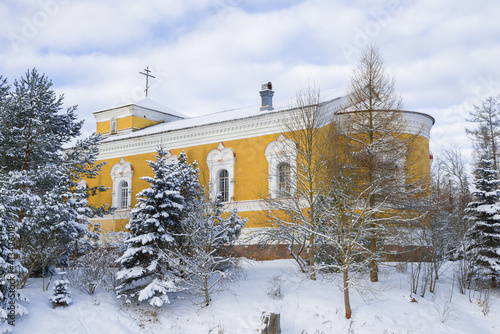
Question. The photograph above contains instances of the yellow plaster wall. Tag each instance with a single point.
(251, 172)
(103, 127)
(130, 122)
(141, 122)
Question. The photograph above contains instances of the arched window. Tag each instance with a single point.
(123, 194)
(284, 180)
(281, 156)
(121, 174)
(223, 184)
(221, 162)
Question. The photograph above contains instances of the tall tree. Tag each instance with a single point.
(381, 143)
(10, 266)
(486, 135)
(33, 130)
(155, 227)
(293, 207)
(32, 127)
(345, 217)
(482, 241)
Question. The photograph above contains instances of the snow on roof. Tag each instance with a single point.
(218, 117)
(150, 104)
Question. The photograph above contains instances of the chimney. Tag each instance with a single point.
(267, 96)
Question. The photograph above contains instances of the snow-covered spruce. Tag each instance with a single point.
(62, 296)
(145, 275)
(52, 210)
(10, 267)
(482, 241)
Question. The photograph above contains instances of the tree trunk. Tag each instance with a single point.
(270, 323)
(205, 289)
(347, 303)
(312, 269)
(373, 263)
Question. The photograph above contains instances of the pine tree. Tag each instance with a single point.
(33, 130)
(155, 220)
(482, 241)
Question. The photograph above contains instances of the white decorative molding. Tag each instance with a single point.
(113, 125)
(134, 110)
(82, 183)
(415, 123)
(171, 158)
(178, 136)
(121, 171)
(221, 158)
(280, 151)
(192, 136)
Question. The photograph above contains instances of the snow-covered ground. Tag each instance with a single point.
(305, 307)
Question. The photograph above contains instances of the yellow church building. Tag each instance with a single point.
(239, 152)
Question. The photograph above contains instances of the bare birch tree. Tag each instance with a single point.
(293, 207)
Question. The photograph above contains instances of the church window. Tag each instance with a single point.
(121, 174)
(224, 185)
(221, 163)
(284, 180)
(281, 157)
(123, 195)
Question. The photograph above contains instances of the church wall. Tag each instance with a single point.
(250, 170)
(131, 122)
(250, 175)
(103, 127)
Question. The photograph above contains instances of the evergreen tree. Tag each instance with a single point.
(56, 226)
(62, 296)
(10, 266)
(482, 241)
(33, 130)
(155, 220)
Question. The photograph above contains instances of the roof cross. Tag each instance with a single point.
(147, 77)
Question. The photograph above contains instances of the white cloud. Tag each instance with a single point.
(211, 55)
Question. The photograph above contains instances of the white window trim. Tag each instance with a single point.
(280, 151)
(82, 183)
(113, 125)
(221, 158)
(121, 171)
(171, 158)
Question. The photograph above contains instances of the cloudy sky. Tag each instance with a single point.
(213, 55)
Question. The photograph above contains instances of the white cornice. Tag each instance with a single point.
(134, 110)
(253, 126)
(263, 124)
